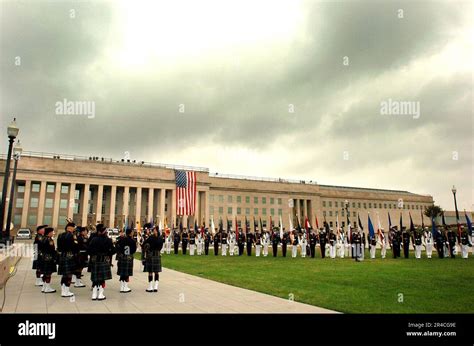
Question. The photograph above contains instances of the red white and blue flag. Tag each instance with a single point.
(185, 192)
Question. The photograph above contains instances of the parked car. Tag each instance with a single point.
(24, 233)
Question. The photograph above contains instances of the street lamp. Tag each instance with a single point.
(16, 156)
(12, 132)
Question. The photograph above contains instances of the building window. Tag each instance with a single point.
(166, 207)
(247, 211)
(264, 211)
(279, 201)
(35, 187)
(49, 203)
(370, 206)
(354, 205)
(380, 205)
(76, 194)
(272, 211)
(76, 208)
(255, 200)
(342, 212)
(239, 199)
(365, 205)
(221, 198)
(33, 204)
(17, 219)
(19, 203)
(20, 188)
(211, 198)
(336, 213)
(221, 210)
(229, 210)
(47, 219)
(324, 212)
(330, 204)
(330, 213)
(280, 212)
(336, 204)
(417, 207)
(49, 188)
(229, 199)
(63, 204)
(330, 223)
(272, 200)
(211, 210)
(264, 200)
(385, 205)
(324, 204)
(255, 211)
(239, 211)
(247, 199)
(354, 214)
(31, 219)
(358, 205)
(343, 224)
(62, 221)
(64, 189)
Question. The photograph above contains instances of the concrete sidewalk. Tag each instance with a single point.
(178, 293)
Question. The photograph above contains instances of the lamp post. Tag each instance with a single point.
(16, 156)
(12, 132)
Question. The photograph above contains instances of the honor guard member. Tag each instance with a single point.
(383, 243)
(284, 242)
(48, 255)
(406, 242)
(439, 243)
(417, 239)
(36, 255)
(81, 256)
(265, 242)
(92, 234)
(151, 259)
(101, 250)
(445, 242)
(216, 239)
(451, 242)
(313, 239)
(192, 242)
(322, 242)
(68, 249)
(125, 247)
(372, 245)
(357, 241)
(465, 244)
(428, 242)
(199, 243)
(184, 241)
(250, 241)
(294, 244)
(258, 244)
(363, 242)
(396, 239)
(275, 239)
(224, 243)
(303, 243)
(207, 241)
(332, 244)
(231, 240)
(176, 239)
(241, 242)
(168, 241)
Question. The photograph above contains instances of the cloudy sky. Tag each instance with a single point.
(288, 89)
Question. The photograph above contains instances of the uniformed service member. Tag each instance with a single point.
(428, 242)
(258, 244)
(231, 240)
(265, 242)
(275, 239)
(216, 239)
(313, 239)
(36, 257)
(322, 238)
(406, 242)
(151, 259)
(81, 256)
(192, 242)
(250, 241)
(207, 241)
(465, 244)
(417, 238)
(48, 259)
(284, 242)
(184, 241)
(451, 242)
(332, 244)
(294, 244)
(68, 249)
(223, 243)
(372, 245)
(241, 242)
(125, 247)
(176, 239)
(303, 240)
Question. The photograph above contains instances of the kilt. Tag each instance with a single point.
(152, 263)
(125, 265)
(67, 264)
(81, 260)
(47, 265)
(100, 270)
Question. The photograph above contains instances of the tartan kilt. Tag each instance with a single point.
(100, 271)
(81, 260)
(67, 264)
(125, 265)
(47, 265)
(152, 263)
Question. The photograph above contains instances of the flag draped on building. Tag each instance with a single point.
(185, 192)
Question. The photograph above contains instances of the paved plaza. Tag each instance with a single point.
(178, 293)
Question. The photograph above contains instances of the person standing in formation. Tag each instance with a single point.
(241, 242)
(125, 248)
(199, 243)
(284, 242)
(47, 255)
(382, 242)
(428, 242)
(332, 244)
(169, 239)
(294, 243)
(36, 257)
(418, 242)
(101, 250)
(207, 241)
(82, 241)
(216, 239)
(231, 241)
(151, 259)
(303, 242)
(68, 250)
(372, 246)
(192, 241)
(176, 239)
(258, 244)
(322, 241)
(265, 242)
(184, 241)
(313, 239)
(465, 243)
(250, 241)
(223, 242)
(275, 239)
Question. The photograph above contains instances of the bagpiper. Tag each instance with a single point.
(36, 256)
(68, 250)
(48, 259)
(100, 250)
(125, 248)
(81, 256)
(151, 259)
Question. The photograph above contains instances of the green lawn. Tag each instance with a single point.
(371, 286)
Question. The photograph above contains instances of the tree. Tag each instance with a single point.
(433, 211)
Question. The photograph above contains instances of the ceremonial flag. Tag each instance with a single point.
(360, 222)
(307, 226)
(213, 228)
(469, 223)
(254, 225)
(422, 220)
(434, 231)
(389, 222)
(291, 223)
(260, 226)
(236, 229)
(412, 226)
(281, 228)
(271, 223)
(371, 227)
(185, 192)
(379, 231)
(196, 227)
(221, 225)
(246, 225)
(401, 221)
(444, 221)
(317, 223)
(299, 225)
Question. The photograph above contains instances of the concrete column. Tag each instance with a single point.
(126, 197)
(138, 206)
(100, 196)
(162, 207)
(85, 204)
(70, 210)
(41, 201)
(151, 192)
(26, 204)
(57, 201)
(113, 196)
(206, 208)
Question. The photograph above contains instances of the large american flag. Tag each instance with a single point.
(185, 192)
